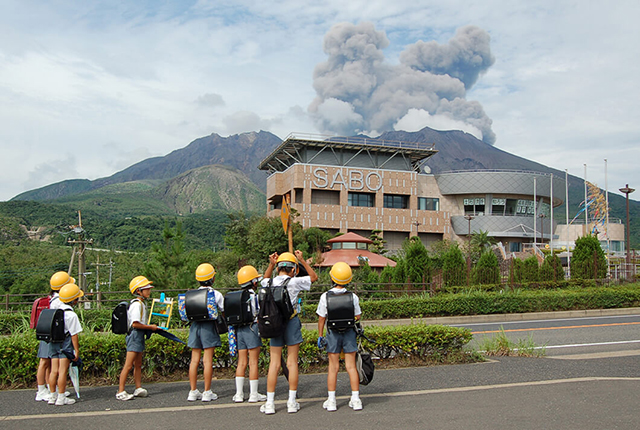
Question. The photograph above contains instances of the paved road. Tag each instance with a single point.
(588, 391)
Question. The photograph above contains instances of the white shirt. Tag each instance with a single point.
(54, 301)
(137, 312)
(295, 285)
(219, 298)
(71, 321)
(322, 304)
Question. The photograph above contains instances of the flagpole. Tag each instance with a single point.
(586, 208)
(535, 216)
(551, 226)
(606, 229)
(566, 192)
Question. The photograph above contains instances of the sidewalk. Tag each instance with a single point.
(479, 319)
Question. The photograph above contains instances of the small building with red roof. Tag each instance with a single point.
(352, 249)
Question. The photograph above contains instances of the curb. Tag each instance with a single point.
(480, 319)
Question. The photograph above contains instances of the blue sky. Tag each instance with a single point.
(88, 88)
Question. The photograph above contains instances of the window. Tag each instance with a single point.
(428, 204)
(325, 197)
(362, 199)
(396, 201)
(474, 206)
(299, 194)
(497, 206)
(515, 247)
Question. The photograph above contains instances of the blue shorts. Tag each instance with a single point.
(203, 335)
(43, 350)
(62, 349)
(341, 341)
(135, 340)
(248, 336)
(292, 334)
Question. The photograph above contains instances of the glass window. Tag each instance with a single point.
(515, 246)
(474, 206)
(362, 199)
(336, 245)
(498, 206)
(348, 245)
(361, 245)
(396, 201)
(428, 204)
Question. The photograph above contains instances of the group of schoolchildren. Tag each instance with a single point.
(55, 358)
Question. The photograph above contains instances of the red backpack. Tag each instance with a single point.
(38, 306)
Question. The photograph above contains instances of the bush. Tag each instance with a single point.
(487, 270)
(103, 354)
(588, 261)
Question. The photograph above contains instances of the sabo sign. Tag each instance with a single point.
(355, 180)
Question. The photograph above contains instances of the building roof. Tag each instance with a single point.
(351, 257)
(350, 237)
(379, 151)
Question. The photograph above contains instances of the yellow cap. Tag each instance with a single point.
(341, 273)
(204, 272)
(70, 292)
(139, 282)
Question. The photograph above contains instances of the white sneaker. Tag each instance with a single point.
(64, 400)
(43, 395)
(330, 405)
(209, 395)
(67, 394)
(293, 406)
(355, 404)
(140, 392)
(123, 395)
(238, 397)
(52, 398)
(194, 395)
(268, 408)
(257, 397)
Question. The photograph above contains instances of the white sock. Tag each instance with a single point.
(332, 395)
(271, 397)
(355, 395)
(41, 387)
(292, 395)
(239, 384)
(253, 386)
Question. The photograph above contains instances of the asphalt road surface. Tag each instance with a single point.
(589, 379)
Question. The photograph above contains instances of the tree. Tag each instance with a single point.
(588, 260)
(170, 267)
(453, 266)
(418, 265)
(530, 270)
(551, 269)
(377, 247)
(487, 270)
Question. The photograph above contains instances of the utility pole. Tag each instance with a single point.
(98, 283)
(79, 249)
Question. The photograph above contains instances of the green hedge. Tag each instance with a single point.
(476, 301)
(103, 354)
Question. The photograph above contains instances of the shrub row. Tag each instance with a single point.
(103, 354)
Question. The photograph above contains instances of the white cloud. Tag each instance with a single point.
(417, 119)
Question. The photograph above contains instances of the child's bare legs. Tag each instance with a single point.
(44, 371)
(63, 370)
(254, 355)
(53, 375)
(243, 360)
(137, 370)
(292, 364)
(332, 375)
(352, 370)
(193, 368)
(207, 373)
(275, 364)
(128, 364)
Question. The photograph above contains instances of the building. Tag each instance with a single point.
(353, 249)
(361, 185)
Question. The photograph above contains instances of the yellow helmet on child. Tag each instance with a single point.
(70, 292)
(246, 274)
(341, 273)
(287, 260)
(204, 272)
(139, 282)
(59, 279)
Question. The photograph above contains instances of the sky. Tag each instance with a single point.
(88, 88)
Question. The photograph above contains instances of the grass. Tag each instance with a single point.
(499, 345)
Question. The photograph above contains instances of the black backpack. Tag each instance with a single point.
(120, 319)
(365, 367)
(50, 327)
(271, 318)
(237, 307)
(340, 311)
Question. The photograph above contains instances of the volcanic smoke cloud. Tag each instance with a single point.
(358, 93)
